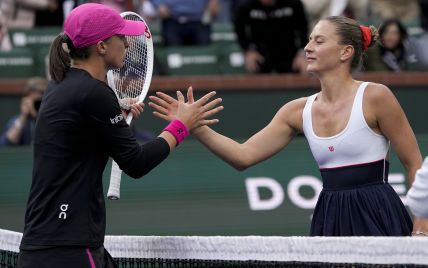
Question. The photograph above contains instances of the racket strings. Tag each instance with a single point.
(131, 79)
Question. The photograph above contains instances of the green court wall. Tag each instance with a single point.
(194, 193)
(246, 112)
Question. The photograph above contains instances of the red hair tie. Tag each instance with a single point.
(367, 36)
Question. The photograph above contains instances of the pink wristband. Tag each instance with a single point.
(178, 130)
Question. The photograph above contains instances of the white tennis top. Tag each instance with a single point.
(417, 196)
(356, 144)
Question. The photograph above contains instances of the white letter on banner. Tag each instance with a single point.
(294, 194)
(252, 185)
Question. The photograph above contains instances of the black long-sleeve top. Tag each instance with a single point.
(276, 31)
(79, 126)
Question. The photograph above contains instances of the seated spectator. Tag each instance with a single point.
(19, 130)
(186, 22)
(272, 34)
(396, 51)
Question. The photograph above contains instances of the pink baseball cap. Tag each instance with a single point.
(90, 23)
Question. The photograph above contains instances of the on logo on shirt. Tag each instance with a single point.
(63, 214)
(116, 119)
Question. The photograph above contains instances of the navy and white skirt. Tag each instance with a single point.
(358, 201)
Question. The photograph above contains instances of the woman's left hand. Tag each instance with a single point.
(135, 108)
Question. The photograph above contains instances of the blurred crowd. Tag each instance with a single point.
(271, 33)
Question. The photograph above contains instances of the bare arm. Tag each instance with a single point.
(264, 144)
(392, 122)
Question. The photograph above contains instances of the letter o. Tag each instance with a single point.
(294, 194)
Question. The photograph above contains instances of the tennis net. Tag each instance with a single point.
(250, 251)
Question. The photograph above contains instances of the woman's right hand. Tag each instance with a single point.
(191, 113)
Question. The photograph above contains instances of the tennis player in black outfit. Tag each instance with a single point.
(81, 125)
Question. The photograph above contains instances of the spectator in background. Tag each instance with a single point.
(272, 34)
(228, 9)
(186, 22)
(408, 11)
(397, 50)
(22, 13)
(320, 9)
(423, 6)
(119, 5)
(147, 10)
(52, 15)
(5, 44)
(19, 130)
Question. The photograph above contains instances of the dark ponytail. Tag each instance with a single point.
(60, 59)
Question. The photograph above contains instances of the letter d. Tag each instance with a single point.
(255, 202)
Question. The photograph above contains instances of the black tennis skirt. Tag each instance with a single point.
(359, 201)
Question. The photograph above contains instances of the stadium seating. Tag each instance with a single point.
(223, 56)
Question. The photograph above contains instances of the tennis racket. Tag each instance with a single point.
(131, 84)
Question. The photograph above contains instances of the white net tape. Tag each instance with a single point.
(373, 250)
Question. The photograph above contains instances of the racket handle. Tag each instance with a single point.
(129, 118)
(116, 174)
(115, 178)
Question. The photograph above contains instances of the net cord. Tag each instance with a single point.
(371, 250)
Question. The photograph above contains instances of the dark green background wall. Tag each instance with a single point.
(191, 193)
(246, 112)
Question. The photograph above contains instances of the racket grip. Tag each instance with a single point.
(115, 179)
(129, 118)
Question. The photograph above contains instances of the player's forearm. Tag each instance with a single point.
(227, 149)
(412, 164)
(148, 156)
